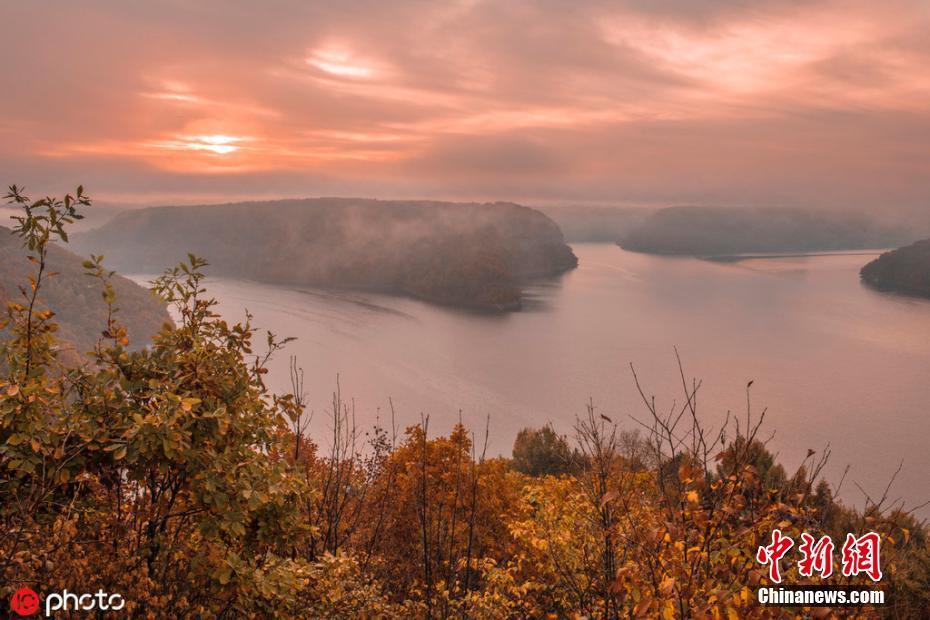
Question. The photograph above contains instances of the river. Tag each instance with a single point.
(831, 360)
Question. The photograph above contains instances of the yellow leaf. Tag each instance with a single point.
(609, 495)
(667, 585)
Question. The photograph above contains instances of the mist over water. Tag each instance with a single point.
(832, 360)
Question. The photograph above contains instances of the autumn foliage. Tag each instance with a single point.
(170, 474)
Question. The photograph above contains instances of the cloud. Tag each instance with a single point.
(819, 102)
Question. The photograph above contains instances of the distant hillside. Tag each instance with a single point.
(100, 214)
(905, 270)
(581, 224)
(461, 254)
(76, 298)
(710, 231)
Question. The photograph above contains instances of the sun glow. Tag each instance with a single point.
(219, 144)
(339, 63)
(178, 97)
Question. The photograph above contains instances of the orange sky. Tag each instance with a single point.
(773, 102)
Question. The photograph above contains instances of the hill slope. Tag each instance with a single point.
(905, 270)
(462, 254)
(710, 231)
(594, 224)
(76, 298)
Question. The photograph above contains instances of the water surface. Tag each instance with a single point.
(832, 360)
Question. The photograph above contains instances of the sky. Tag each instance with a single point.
(801, 103)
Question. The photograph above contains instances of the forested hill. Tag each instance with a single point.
(76, 298)
(596, 224)
(905, 270)
(461, 254)
(714, 231)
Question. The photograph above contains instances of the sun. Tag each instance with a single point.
(220, 144)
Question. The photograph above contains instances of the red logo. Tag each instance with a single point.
(860, 555)
(24, 602)
(774, 552)
(863, 555)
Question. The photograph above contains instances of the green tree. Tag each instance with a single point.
(158, 472)
(542, 452)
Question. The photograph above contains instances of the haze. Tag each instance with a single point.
(779, 102)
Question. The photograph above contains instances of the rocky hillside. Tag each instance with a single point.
(461, 254)
(905, 270)
(76, 298)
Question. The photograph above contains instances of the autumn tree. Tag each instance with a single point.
(172, 475)
(542, 452)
